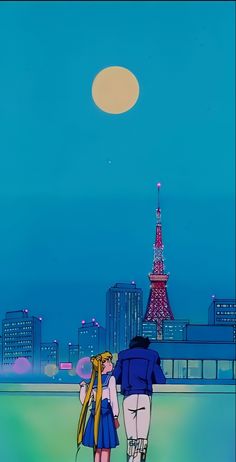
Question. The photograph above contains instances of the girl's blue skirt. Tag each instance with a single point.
(107, 433)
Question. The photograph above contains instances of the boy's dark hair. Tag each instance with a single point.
(139, 342)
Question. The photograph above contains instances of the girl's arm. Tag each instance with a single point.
(83, 390)
(113, 396)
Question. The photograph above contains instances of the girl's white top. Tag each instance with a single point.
(108, 392)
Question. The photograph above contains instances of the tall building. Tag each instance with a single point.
(73, 354)
(49, 354)
(124, 312)
(222, 311)
(158, 306)
(21, 338)
(91, 338)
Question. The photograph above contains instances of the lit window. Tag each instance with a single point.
(194, 369)
(225, 369)
(209, 369)
(180, 369)
(167, 366)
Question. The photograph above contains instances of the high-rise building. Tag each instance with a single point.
(222, 311)
(124, 312)
(49, 354)
(158, 306)
(91, 338)
(21, 338)
(73, 354)
(174, 329)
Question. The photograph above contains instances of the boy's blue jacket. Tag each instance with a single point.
(137, 369)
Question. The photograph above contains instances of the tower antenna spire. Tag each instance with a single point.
(158, 195)
(158, 306)
(158, 211)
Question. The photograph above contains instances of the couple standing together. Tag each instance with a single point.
(136, 370)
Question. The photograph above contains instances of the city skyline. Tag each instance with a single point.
(199, 352)
(211, 319)
(72, 337)
(78, 186)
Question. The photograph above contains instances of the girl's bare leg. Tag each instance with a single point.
(97, 457)
(105, 456)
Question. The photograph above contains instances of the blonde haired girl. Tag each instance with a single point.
(101, 429)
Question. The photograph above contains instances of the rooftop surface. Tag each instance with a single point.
(189, 424)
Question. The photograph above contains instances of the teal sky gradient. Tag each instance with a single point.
(72, 224)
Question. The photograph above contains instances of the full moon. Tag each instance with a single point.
(115, 90)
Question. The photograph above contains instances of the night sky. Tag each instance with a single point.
(78, 186)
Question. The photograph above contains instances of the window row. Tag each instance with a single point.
(17, 329)
(14, 355)
(15, 344)
(199, 369)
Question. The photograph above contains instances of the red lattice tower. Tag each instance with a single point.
(158, 306)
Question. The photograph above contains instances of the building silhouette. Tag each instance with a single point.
(73, 354)
(158, 306)
(208, 333)
(206, 352)
(149, 329)
(174, 329)
(124, 312)
(49, 354)
(222, 311)
(21, 338)
(91, 338)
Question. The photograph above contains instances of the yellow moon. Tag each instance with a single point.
(115, 90)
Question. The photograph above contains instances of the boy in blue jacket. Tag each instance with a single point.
(136, 370)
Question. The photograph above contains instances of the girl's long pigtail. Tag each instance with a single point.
(84, 410)
(98, 402)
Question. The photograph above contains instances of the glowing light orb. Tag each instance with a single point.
(22, 366)
(84, 368)
(115, 90)
(50, 370)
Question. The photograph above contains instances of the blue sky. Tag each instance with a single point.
(72, 223)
